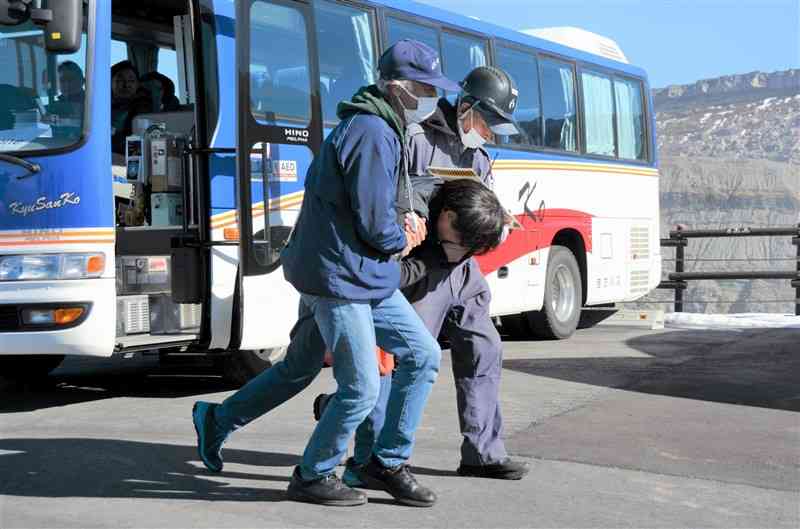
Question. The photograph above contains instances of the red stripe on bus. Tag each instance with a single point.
(539, 230)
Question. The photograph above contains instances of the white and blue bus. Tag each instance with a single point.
(171, 242)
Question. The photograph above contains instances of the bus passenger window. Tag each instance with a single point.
(400, 29)
(630, 119)
(523, 68)
(598, 113)
(558, 100)
(346, 54)
(280, 86)
(460, 55)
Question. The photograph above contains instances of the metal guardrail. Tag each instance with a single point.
(679, 239)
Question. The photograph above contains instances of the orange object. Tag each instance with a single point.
(231, 234)
(66, 316)
(96, 264)
(385, 361)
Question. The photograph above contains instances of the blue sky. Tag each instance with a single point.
(675, 41)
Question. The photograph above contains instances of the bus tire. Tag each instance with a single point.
(28, 368)
(239, 367)
(563, 296)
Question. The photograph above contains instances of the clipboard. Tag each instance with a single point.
(453, 173)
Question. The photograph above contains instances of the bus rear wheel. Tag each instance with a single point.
(239, 367)
(563, 297)
(26, 368)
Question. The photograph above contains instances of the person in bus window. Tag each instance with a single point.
(128, 99)
(443, 281)
(343, 258)
(67, 109)
(162, 92)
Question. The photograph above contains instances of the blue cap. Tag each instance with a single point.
(414, 61)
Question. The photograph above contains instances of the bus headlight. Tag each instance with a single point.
(38, 267)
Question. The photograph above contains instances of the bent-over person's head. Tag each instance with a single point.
(471, 219)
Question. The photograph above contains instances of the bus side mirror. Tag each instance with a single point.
(14, 12)
(63, 24)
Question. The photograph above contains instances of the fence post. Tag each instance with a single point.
(796, 242)
(679, 268)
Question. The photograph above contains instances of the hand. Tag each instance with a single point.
(414, 237)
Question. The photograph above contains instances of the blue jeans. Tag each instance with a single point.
(369, 429)
(350, 330)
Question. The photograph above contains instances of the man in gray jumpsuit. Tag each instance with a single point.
(442, 280)
(454, 298)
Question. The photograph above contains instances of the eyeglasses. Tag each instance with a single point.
(496, 123)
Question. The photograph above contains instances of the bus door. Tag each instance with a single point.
(278, 133)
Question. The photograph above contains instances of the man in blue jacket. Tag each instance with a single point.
(443, 281)
(343, 258)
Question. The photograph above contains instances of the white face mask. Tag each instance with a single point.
(471, 139)
(426, 107)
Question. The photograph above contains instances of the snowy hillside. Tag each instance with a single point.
(730, 156)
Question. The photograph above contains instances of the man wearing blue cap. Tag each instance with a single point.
(342, 257)
(442, 280)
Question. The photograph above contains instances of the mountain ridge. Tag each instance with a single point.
(729, 151)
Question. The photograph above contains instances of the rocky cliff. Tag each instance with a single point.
(730, 157)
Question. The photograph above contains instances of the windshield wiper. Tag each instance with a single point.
(32, 168)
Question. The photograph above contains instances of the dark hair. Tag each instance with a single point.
(167, 85)
(479, 215)
(71, 66)
(124, 65)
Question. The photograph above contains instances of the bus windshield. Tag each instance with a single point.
(42, 94)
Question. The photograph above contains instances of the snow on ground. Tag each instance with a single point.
(682, 320)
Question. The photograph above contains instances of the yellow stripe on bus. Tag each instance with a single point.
(567, 166)
(258, 211)
(12, 244)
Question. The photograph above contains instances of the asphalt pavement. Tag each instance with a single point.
(623, 427)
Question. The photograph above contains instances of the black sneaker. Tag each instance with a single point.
(399, 482)
(506, 469)
(328, 490)
(319, 405)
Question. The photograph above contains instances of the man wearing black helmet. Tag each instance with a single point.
(443, 281)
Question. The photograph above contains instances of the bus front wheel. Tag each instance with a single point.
(563, 297)
(239, 367)
(28, 367)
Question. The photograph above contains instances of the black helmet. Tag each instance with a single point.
(493, 91)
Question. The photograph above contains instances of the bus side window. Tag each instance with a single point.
(524, 69)
(280, 83)
(346, 53)
(400, 29)
(558, 101)
(630, 119)
(460, 54)
(598, 113)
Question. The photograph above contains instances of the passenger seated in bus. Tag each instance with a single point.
(162, 92)
(66, 112)
(128, 99)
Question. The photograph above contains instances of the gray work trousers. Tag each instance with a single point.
(456, 303)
